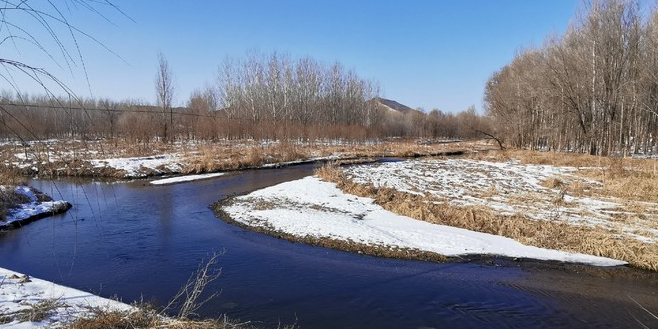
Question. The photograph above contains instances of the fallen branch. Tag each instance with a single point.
(500, 143)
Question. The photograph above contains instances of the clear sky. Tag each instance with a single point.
(429, 54)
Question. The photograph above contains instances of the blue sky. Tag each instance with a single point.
(429, 54)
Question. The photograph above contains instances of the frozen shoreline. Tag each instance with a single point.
(186, 178)
(103, 158)
(35, 209)
(20, 294)
(313, 208)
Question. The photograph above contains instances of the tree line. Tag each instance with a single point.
(256, 97)
(593, 89)
(274, 96)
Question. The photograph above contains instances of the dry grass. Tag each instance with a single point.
(70, 158)
(145, 317)
(545, 234)
(118, 320)
(39, 311)
(535, 157)
(553, 183)
(624, 178)
(36, 312)
(9, 199)
(11, 176)
(218, 157)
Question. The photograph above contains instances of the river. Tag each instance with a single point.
(134, 241)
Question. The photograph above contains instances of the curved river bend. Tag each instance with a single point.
(131, 240)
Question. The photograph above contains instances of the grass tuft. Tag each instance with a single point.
(11, 176)
(142, 316)
(147, 318)
(36, 312)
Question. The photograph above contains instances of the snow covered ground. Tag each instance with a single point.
(35, 207)
(181, 179)
(513, 188)
(120, 158)
(131, 167)
(141, 166)
(335, 156)
(311, 207)
(49, 305)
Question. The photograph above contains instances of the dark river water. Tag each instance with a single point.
(132, 240)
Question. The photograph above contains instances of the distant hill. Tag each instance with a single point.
(392, 105)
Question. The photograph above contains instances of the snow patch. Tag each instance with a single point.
(19, 293)
(188, 178)
(135, 166)
(510, 188)
(33, 208)
(311, 207)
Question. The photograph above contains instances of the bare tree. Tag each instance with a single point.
(164, 87)
(590, 90)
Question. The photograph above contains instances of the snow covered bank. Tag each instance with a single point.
(120, 158)
(312, 208)
(142, 166)
(182, 179)
(513, 188)
(37, 206)
(44, 303)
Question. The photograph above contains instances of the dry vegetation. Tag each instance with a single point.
(11, 176)
(71, 158)
(145, 317)
(620, 177)
(141, 315)
(36, 312)
(10, 199)
(547, 234)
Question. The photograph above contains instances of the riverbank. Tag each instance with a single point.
(105, 158)
(21, 205)
(27, 302)
(129, 251)
(317, 212)
(547, 206)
